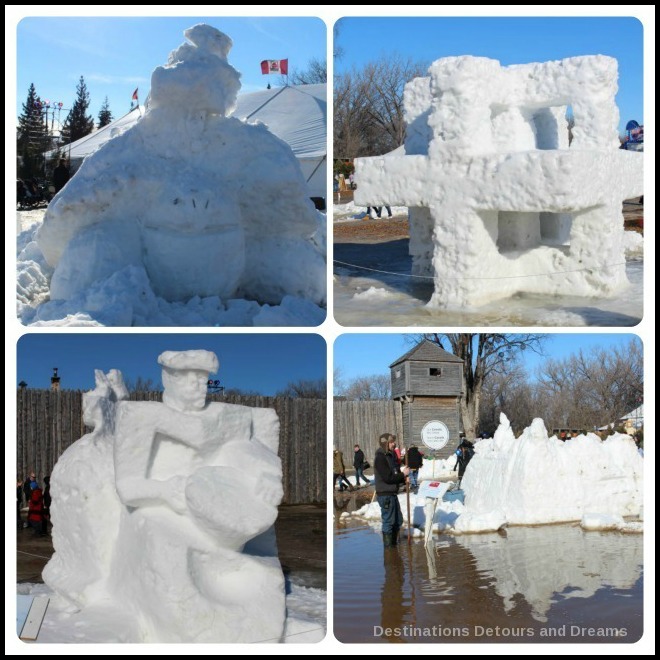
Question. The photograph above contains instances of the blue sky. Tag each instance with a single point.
(115, 55)
(366, 354)
(509, 40)
(264, 363)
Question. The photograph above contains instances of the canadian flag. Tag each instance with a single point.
(275, 66)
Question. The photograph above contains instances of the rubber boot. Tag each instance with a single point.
(395, 536)
(388, 540)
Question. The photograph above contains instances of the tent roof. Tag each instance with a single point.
(638, 413)
(296, 114)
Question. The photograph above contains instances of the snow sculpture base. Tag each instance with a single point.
(165, 511)
(499, 202)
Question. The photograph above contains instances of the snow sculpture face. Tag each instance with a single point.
(185, 390)
(185, 377)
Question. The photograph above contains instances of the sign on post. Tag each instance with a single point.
(435, 434)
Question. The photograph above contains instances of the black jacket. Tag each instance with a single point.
(414, 459)
(386, 473)
(358, 459)
(60, 177)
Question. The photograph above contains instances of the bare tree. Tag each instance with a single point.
(337, 380)
(368, 106)
(142, 385)
(306, 389)
(239, 391)
(483, 355)
(510, 393)
(595, 388)
(316, 72)
(368, 388)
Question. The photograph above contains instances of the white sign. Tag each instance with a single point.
(433, 489)
(435, 434)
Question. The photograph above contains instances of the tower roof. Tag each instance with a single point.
(427, 351)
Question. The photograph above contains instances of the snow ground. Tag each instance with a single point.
(127, 299)
(305, 622)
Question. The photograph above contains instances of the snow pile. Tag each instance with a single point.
(498, 202)
(601, 521)
(538, 479)
(538, 563)
(446, 513)
(306, 609)
(155, 519)
(372, 293)
(187, 205)
(440, 468)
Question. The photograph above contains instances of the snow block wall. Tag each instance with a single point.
(536, 479)
(166, 511)
(499, 202)
(190, 202)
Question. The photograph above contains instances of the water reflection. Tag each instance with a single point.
(403, 301)
(526, 582)
(551, 563)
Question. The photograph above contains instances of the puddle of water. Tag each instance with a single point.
(531, 584)
(401, 301)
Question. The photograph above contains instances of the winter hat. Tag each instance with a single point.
(196, 360)
(384, 441)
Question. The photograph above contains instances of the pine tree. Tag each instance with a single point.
(78, 123)
(32, 136)
(105, 116)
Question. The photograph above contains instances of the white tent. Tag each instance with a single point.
(636, 418)
(296, 114)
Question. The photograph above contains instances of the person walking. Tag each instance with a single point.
(360, 466)
(339, 471)
(464, 454)
(388, 477)
(414, 460)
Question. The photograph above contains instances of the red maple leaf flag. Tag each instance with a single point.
(135, 96)
(275, 66)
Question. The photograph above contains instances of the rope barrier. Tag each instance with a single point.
(29, 554)
(277, 639)
(464, 279)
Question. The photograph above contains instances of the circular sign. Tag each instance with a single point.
(435, 434)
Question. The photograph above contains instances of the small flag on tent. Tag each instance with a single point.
(135, 95)
(275, 66)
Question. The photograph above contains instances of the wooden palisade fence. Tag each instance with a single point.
(50, 421)
(363, 422)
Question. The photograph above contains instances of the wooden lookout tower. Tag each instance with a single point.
(427, 380)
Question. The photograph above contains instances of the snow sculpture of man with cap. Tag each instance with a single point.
(194, 558)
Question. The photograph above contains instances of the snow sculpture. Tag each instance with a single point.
(499, 202)
(204, 204)
(536, 479)
(166, 510)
